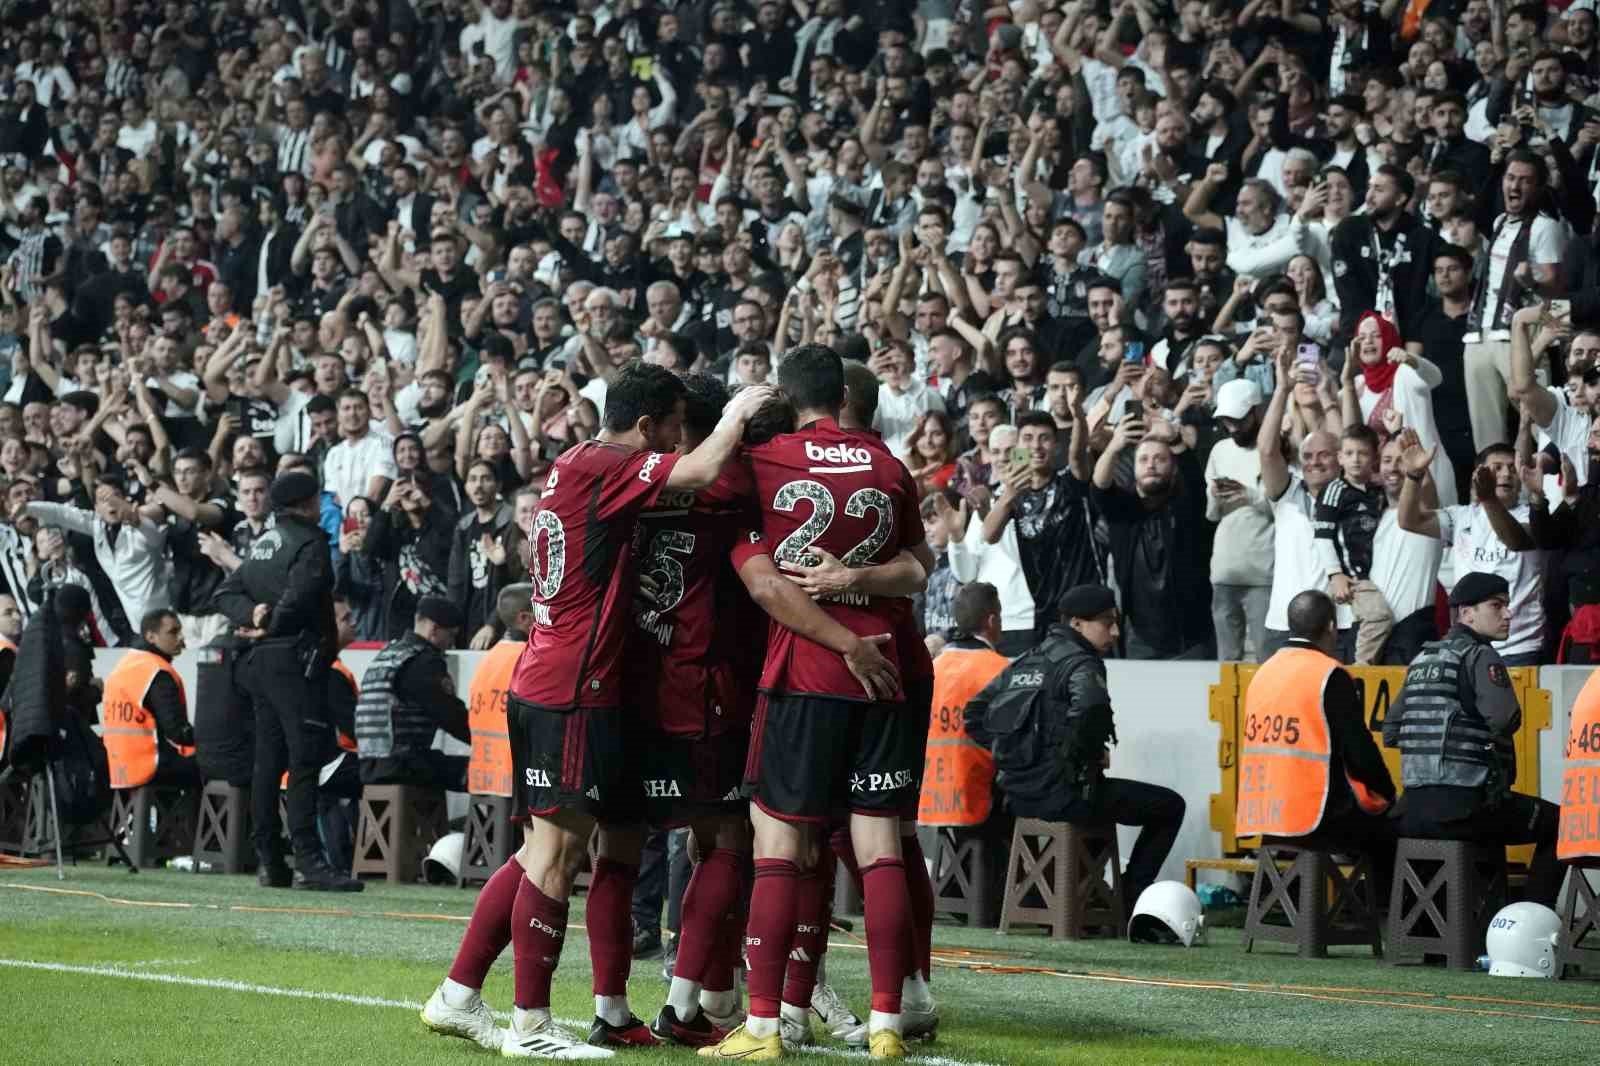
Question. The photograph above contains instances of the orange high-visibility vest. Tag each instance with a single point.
(5, 645)
(129, 729)
(489, 768)
(1580, 785)
(958, 772)
(1283, 769)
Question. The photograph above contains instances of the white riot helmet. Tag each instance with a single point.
(1522, 941)
(443, 864)
(1167, 912)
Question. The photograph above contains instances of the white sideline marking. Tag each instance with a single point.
(360, 1001)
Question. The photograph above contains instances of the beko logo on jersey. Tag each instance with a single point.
(651, 461)
(838, 453)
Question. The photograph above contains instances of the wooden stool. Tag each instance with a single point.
(1290, 902)
(1580, 922)
(490, 838)
(1065, 865)
(961, 876)
(174, 830)
(1444, 893)
(398, 824)
(222, 834)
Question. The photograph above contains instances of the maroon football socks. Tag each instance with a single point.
(489, 931)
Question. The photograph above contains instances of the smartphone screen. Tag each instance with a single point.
(1133, 352)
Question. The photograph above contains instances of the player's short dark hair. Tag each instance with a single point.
(641, 390)
(812, 376)
(972, 604)
(703, 401)
(1450, 96)
(320, 404)
(1310, 614)
(775, 418)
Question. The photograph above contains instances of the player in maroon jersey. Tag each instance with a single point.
(919, 1013)
(682, 674)
(565, 706)
(691, 643)
(817, 747)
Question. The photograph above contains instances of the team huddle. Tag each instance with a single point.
(646, 694)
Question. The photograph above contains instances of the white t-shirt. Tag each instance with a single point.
(1295, 564)
(1474, 548)
(1404, 565)
(178, 379)
(1545, 246)
(898, 413)
(351, 465)
(1242, 550)
(1569, 432)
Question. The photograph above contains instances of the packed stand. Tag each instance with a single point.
(1214, 303)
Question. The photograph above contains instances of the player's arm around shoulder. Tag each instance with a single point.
(700, 468)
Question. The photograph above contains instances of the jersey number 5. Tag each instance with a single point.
(796, 547)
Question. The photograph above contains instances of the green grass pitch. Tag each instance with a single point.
(220, 971)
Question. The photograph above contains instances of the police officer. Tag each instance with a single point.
(1453, 722)
(281, 599)
(1047, 718)
(407, 695)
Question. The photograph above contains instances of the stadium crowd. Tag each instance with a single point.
(1174, 298)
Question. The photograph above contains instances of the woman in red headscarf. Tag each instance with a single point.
(1388, 388)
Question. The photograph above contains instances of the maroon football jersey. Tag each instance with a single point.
(847, 494)
(681, 650)
(915, 662)
(582, 574)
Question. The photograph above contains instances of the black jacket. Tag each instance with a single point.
(1355, 270)
(1037, 717)
(418, 559)
(1580, 269)
(474, 581)
(289, 568)
(1174, 538)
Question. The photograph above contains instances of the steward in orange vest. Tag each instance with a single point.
(958, 778)
(490, 769)
(144, 717)
(1580, 785)
(1309, 767)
